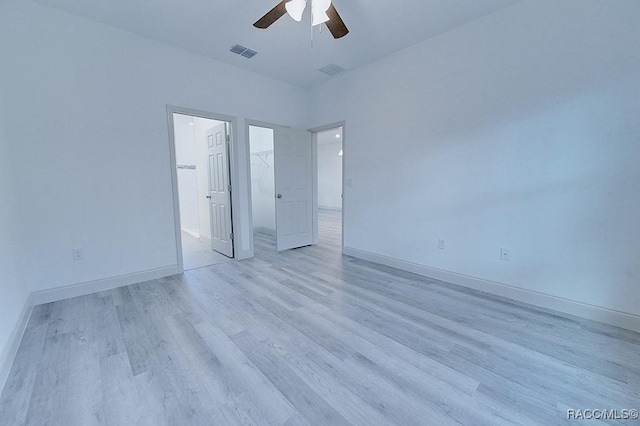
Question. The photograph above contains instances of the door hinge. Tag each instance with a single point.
(228, 138)
(231, 236)
(229, 188)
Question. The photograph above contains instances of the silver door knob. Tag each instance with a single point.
(207, 196)
(279, 195)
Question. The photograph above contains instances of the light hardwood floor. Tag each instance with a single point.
(312, 337)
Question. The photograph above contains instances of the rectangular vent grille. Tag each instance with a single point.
(332, 69)
(249, 53)
(243, 51)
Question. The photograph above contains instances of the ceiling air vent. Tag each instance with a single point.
(243, 51)
(332, 69)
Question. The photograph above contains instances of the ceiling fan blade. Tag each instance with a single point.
(272, 16)
(335, 23)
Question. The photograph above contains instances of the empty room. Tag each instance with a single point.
(314, 212)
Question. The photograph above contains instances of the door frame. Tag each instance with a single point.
(233, 169)
(314, 146)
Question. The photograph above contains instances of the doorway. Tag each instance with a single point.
(282, 190)
(203, 189)
(329, 157)
(263, 206)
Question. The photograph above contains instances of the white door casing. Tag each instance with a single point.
(219, 189)
(294, 188)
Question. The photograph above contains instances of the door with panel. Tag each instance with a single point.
(220, 189)
(294, 188)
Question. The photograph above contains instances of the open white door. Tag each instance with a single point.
(294, 188)
(219, 189)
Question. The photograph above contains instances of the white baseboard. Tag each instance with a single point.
(8, 354)
(191, 232)
(567, 306)
(264, 230)
(81, 289)
(335, 209)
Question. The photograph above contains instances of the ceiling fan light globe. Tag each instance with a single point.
(319, 11)
(321, 5)
(295, 9)
(319, 18)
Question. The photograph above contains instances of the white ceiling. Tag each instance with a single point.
(210, 27)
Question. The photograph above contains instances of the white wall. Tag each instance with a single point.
(88, 109)
(187, 180)
(13, 291)
(262, 178)
(330, 170)
(518, 130)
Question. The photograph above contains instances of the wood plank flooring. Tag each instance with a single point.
(309, 337)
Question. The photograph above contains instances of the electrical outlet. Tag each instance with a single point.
(440, 243)
(77, 254)
(505, 254)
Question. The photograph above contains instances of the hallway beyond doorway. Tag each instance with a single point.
(197, 254)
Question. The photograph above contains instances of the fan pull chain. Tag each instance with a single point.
(319, 30)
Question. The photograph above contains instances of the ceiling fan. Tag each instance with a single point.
(322, 12)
